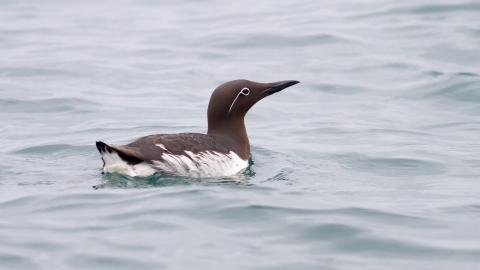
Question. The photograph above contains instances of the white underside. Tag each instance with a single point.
(203, 164)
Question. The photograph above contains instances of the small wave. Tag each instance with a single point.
(393, 167)
(31, 72)
(466, 74)
(463, 209)
(53, 149)
(330, 231)
(386, 246)
(53, 105)
(277, 41)
(461, 87)
(422, 9)
(465, 91)
(336, 89)
(434, 73)
(13, 261)
(452, 126)
(110, 261)
(446, 8)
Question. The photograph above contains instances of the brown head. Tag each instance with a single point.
(230, 103)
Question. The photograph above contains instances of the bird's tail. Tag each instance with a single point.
(104, 148)
(109, 150)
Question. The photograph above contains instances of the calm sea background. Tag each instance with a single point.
(371, 162)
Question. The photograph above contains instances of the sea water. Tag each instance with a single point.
(371, 162)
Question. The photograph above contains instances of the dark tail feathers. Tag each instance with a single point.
(104, 148)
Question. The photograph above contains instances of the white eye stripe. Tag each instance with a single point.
(245, 92)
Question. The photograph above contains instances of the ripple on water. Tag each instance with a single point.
(14, 261)
(463, 209)
(445, 8)
(281, 41)
(396, 248)
(392, 167)
(53, 149)
(339, 89)
(328, 232)
(54, 105)
(424, 10)
(32, 72)
(464, 91)
(112, 261)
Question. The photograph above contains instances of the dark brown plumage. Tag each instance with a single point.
(147, 149)
(227, 108)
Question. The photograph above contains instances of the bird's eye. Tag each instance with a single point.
(245, 91)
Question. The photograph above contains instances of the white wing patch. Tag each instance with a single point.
(203, 164)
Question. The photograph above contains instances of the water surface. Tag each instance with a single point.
(372, 162)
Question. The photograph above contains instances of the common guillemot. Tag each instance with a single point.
(223, 151)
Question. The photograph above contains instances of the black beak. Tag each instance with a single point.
(278, 86)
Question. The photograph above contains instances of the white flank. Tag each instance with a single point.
(203, 164)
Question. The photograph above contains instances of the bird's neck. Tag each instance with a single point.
(234, 132)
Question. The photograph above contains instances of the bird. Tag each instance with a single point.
(223, 151)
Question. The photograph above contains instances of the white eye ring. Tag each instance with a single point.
(245, 92)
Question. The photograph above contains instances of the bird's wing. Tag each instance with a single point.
(151, 148)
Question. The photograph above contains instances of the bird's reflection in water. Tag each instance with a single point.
(116, 180)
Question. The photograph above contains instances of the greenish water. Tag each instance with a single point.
(372, 162)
